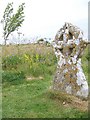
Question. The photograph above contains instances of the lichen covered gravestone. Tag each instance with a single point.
(69, 47)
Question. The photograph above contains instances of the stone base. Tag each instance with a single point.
(71, 80)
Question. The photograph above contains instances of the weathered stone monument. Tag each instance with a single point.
(69, 47)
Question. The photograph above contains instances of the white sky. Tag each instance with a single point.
(44, 17)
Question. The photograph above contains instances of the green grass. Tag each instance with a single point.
(23, 98)
(85, 63)
(32, 99)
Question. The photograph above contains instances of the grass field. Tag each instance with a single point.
(27, 78)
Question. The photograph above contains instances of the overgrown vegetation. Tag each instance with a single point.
(35, 63)
(26, 79)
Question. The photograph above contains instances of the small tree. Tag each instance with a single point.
(10, 21)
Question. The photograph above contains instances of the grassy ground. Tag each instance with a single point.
(27, 85)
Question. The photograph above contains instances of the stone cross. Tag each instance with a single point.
(69, 47)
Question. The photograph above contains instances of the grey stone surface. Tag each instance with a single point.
(69, 46)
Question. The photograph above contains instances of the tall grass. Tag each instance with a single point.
(32, 61)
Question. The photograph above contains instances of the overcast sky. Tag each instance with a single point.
(44, 17)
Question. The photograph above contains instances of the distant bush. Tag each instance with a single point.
(11, 76)
(41, 40)
(11, 61)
